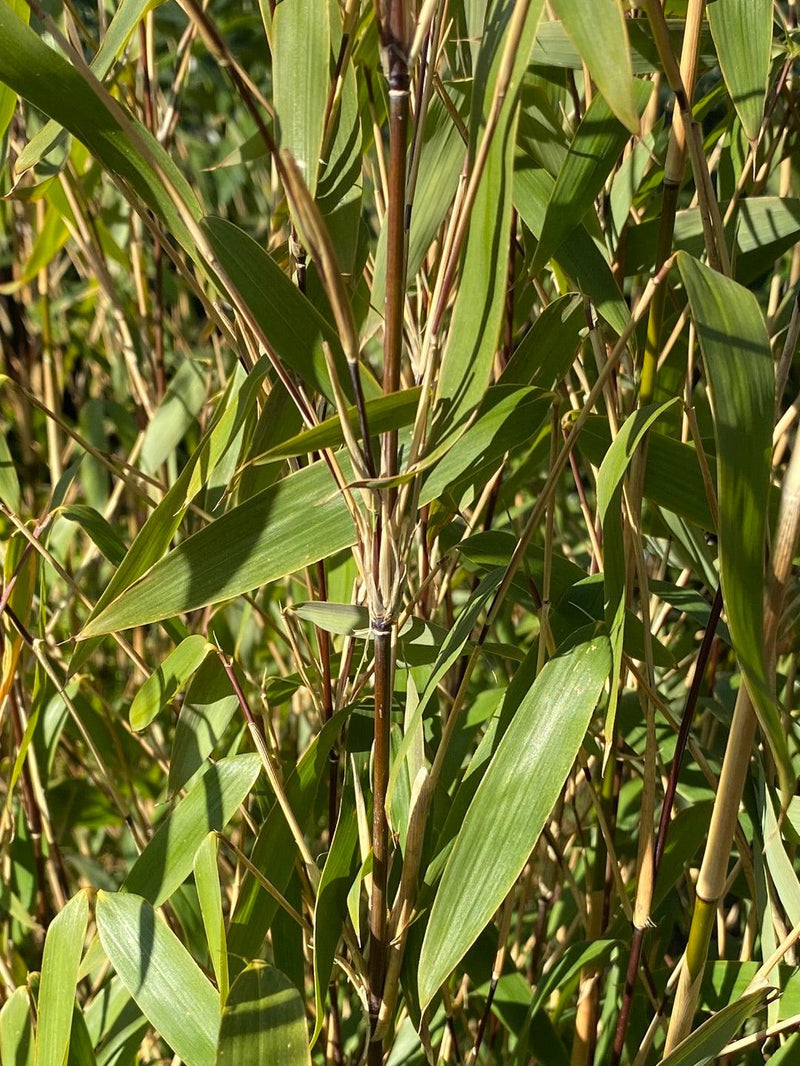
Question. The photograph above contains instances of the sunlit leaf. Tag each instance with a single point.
(742, 32)
(257, 542)
(157, 970)
(167, 680)
(601, 37)
(167, 860)
(263, 1021)
(63, 948)
(510, 806)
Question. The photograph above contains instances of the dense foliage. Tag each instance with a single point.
(398, 502)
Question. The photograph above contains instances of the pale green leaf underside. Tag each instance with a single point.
(173, 994)
(507, 813)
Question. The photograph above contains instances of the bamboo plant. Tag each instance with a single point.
(399, 503)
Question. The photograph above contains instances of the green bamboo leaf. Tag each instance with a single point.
(9, 482)
(330, 911)
(126, 19)
(257, 542)
(264, 1021)
(161, 525)
(766, 226)
(506, 417)
(780, 866)
(739, 369)
(580, 257)
(672, 479)
(177, 411)
(63, 948)
(708, 1039)
(209, 895)
(301, 44)
(601, 36)
(554, 48)
(522, 1012)
(609, 511)
(478, 310)
(167, 860)
(383, 413)
(548, 349)
(152, 541)
(44, 78)
(208, 706)
(81, 1049)
(742, 32)
(179, 1002)
(296, 330)
(101, 532)
(346, 619)
(452, 647)
(274, 849)
(8, 98)
(247, 152)
(167, 680)
(510, 806)
(595, 148)
(17, 1044)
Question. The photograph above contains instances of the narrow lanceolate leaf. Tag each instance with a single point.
(173, 994)
(161, 525)
(601, 36)
(8, 98)
(330, 911)
(9, 482)
(548, 349)
(295, 329)
(209, 895)
(124, 22)
(266, 538)
(16, 1029)
(62, 956)
(706, 1042)
(609, 510)
(742, 32)
(176, 412)
(478, 310)
(505, 818)
(167, 860)
(383, 413)
(274, 848)
(103, 535)
(738, 363)
(595, 148)
(167, 680)
(581, 258)
(452, 647)
(49, 82)
(300, 77)
(208, 706)
(264, 1021)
